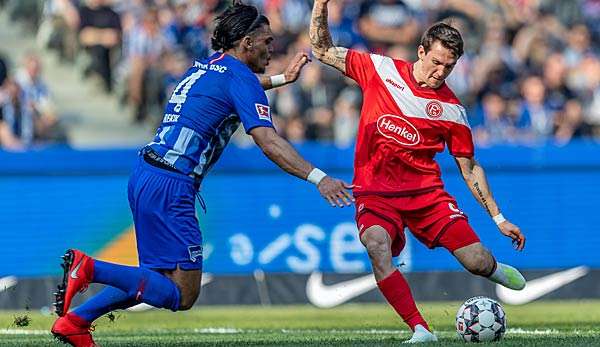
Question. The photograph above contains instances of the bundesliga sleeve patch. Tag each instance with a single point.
(263, 111)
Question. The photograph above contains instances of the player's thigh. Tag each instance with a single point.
(379, 226)
(167, 231)
(439, 223)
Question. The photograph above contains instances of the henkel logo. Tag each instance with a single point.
(434, 109)
(398, 129)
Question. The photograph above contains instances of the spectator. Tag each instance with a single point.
(535, 117)
(146, 46)
(100, 34)
(183, 35)
(385, 22)
(16, 122)
(570, 123)
(59, 27)
(37, 101)
(3, 71)
(295, 130)
(491, 122)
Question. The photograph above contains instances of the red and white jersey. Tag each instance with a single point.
(402, 127)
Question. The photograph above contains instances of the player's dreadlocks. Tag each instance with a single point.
(448, 36)
(236, 22)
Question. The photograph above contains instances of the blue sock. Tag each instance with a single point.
(140, 284)
(109, 299)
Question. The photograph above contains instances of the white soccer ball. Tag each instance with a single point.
(480, 319)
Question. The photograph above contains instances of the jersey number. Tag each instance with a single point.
(180, 93)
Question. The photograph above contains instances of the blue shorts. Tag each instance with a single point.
(164, 214)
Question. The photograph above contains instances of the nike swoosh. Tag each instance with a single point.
(206, 279)
(7, 282)
(74, 272)
(326, 296)
(539, 287)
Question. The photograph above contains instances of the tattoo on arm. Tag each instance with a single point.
(321, 42)
(320, 38)
(481, 197)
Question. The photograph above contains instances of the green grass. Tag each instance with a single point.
(550, 323)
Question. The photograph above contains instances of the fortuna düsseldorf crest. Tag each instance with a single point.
(434, 109)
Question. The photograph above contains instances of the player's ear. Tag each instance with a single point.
(421, 52)
(247, 42)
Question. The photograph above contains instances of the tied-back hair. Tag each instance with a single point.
(236, 22)
(447, 35)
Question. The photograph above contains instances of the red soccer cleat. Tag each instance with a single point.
(73, 330)
(78, 271)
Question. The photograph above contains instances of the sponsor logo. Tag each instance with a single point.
(361, 207)
(398, 129)
(195, 252)
(434, 109)
(539, 287)
(326, 296)
(170, 118)
(263, 111)
(394, 83)
(452, 216)
(458, 213)
(75, 270)
(7, 282)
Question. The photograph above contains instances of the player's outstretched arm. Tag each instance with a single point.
(476, 180)
(290, 75)
(287, 158)
(320, 38)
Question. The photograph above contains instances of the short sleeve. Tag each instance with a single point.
(360, 66)
(460, 141)
(250, 102)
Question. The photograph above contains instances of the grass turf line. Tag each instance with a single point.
(549, 323)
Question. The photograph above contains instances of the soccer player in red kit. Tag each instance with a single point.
(408, 115)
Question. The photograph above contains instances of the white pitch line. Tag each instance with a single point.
(229, 330)
(23, 332)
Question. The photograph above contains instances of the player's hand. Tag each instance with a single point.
(513, 231)
(335, 191)
(292, 72)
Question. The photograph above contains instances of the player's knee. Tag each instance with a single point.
(480, 262)
(377, 242)
(188, 299)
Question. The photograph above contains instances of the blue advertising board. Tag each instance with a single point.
(260, 218)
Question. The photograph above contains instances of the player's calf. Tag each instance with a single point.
(479, 261)
(476, 259)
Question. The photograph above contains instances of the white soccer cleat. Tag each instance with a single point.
(421, 335)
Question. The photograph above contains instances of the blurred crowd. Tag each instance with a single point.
(530, 73)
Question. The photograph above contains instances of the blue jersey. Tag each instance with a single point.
(206, 107)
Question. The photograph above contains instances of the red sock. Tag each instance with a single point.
(396, 291)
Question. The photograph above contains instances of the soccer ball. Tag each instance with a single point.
(480, 319)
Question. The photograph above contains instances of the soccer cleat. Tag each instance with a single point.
(73, 330)
(421, 335)
(78, 271)
(508, 276)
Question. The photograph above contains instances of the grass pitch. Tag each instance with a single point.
(550, 323)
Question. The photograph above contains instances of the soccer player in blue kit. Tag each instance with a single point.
(206, 107)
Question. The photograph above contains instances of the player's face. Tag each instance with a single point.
(261, 49)
(436, 64)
